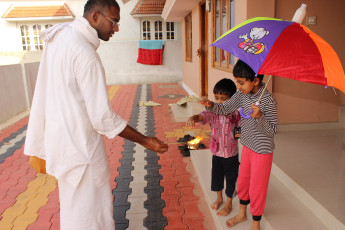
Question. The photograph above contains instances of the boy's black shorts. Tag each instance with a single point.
(224, 167)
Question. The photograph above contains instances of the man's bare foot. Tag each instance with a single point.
(225, 211)
(235, 220)
(215, 205)
(255, 225)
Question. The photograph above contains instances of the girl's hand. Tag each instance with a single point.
(206, 103)
(256, 112)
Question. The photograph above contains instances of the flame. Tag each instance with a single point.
(196, 141)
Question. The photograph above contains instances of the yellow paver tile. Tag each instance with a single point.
(24, 211)
(179, 133)
(112, 91)
(170, 134)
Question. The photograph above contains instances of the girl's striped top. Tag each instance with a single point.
(256, 134)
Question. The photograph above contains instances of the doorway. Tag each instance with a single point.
(204, 49)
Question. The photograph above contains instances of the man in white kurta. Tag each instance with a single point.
(70, 114)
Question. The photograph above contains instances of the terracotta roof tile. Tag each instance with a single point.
(38, 11)
(148, 7)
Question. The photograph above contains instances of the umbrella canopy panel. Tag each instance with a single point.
(283, 48)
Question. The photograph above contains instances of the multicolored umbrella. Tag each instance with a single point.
(286, 49)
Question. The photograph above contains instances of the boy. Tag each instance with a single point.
(224, 146)
(257, 135)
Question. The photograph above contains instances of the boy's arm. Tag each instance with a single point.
(267, 122)
(226, 108)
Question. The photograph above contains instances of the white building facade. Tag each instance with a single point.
(119, 55)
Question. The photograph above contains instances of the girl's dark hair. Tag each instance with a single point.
(225, 87)
(92, 5)
(242, 70)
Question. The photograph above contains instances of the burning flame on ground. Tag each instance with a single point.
(196, 141)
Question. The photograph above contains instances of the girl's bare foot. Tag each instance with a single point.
(225, 211)
(215, 205)
(235, 220)
(255, 225)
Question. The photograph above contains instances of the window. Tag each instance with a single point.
(188, 22)
(24, 29)
(223, 20)
(146, 30)
(154, 28)
(38, 42)
(30, 35)
(48, 26)
(158, 30)
(170, 30)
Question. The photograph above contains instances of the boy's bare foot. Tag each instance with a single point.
(215, 205)
(225, 211)
(255, 225)
(235, 220)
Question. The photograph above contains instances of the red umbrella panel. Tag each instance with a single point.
(286, 49)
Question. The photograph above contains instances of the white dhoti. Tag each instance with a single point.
(86, 207)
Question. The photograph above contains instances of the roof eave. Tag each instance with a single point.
(50, 18)
(146, 15)
(176, 10)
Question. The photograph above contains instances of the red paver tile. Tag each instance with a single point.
(165, 163)
(170, 188)
(184, 181)
(55, 220)
(9, 183)
(187, 194)
(172, 203)
(191, 209)
(52, 206)
(169, 176)
(174, 220)
(42, 222)
(194, 223)
(171, 139)
(181, 171)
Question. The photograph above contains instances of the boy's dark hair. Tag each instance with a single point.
(92, 5)
(242, 70)
(225, 87)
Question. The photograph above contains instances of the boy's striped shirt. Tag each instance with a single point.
(256, 134)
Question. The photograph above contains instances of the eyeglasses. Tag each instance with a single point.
(113, 22)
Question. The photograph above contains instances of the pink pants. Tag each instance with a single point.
(253, 179)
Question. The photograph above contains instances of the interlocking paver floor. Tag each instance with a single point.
(151, 191)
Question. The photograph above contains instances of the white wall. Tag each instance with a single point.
(13, 99)
(119, 54)
(10, 36)
(31, 70)
(121, 67)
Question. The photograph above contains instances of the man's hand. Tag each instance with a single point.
(206, 103)
(155, 145)
(151, 143)
(256, 112)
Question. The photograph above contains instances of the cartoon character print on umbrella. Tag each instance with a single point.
(249, 45)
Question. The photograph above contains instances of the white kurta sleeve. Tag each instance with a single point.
(92, 85)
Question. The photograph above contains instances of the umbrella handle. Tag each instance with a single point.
(250, 112)
(245, 116)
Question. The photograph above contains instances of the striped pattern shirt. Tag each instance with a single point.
(256, 134)
(223, 143)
